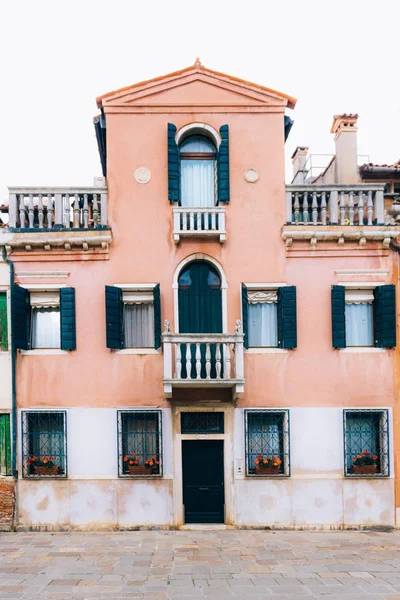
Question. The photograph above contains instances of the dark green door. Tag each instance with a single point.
(203, 481)
(5, 445)
(200, 308)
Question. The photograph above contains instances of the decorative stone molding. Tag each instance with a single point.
(340, 234)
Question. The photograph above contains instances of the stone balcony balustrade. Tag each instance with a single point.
(199, 360)
(46, 218)
(199, 222)
(339, 213)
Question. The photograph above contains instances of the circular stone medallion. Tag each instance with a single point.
(142, 175)
(251, 175)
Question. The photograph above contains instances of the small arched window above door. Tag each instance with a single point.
(198, 171)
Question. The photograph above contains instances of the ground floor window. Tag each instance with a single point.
(267, 442)
(366, 443)
(139, 443)
(44, 444)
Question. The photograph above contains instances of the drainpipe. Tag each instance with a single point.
(13, 377)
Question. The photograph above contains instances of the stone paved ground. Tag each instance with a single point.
(200, 564)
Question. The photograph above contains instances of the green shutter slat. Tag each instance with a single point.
(114, 317)
(3, 322)
(157, 316)
(174, 166)
(67, 319)
(385, 316)
(338, 316)
(287, 317)
(245, 312)
(223, 165)
(5, 445)
(20, 317)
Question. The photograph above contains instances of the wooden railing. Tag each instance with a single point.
(203, 359)
(57, 208)
(348, 205)
(199, 222)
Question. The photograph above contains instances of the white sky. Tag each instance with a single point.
(332, 55)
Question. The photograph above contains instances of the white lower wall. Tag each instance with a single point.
(315, 495)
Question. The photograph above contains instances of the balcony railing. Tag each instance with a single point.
(199, 222)
(41, 209)
(199, 360)
(348, 205)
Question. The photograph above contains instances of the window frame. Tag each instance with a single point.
(385, 472)
(25, 435)
(120, 453)
(139, 288)
(348, 290)
(285, 412)
(210, 156)
(265, 287)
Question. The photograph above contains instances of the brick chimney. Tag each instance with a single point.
(299, 159)
(344, 127)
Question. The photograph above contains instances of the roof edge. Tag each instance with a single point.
(197, 67)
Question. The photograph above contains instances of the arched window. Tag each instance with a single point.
(198, 171)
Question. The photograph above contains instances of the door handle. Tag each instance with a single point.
(203, 489)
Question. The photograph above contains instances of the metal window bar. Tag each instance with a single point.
(140, 443)
(202, 422)
(366, 431)
(267, 434)
(44, 444)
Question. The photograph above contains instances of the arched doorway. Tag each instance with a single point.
(200, 309)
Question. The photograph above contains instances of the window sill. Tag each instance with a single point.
(261, 350)
(43, 352)
(138, 351)
(363, 349)
(365, 476)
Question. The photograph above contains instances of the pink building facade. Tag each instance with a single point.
(195, 341)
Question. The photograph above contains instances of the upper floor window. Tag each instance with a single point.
(198, 172)
(3, 322)
(198, 165)
(43, 319)
(363, 317)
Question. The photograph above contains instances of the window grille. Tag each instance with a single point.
(267, 435)
(139, 443)
(202, 422)
(44, 444)
(366, 443)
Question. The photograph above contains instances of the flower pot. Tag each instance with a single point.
(267, 470)
(140, 470)
(364, 469)
(47, 471)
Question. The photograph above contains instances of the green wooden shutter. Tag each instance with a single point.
(338, 316)
(223, 165)
(385, 316)
(287, 317)
(3, 322)
(114, 317)
(245, 313)
(20, 317)
(67, 319)
(5, 445)
(174, 166)
(157, 316)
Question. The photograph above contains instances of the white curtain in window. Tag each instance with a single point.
(359, 324)
(197, 183)
(139, 325)
(263, 325)
(46, 327)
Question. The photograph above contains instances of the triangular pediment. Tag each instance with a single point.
(195, 86)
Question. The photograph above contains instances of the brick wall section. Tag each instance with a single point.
(7, 502)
